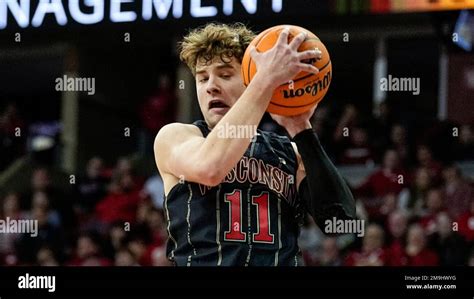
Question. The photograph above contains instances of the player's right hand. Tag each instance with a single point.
(283, 62)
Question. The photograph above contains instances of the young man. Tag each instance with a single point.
(237, 201)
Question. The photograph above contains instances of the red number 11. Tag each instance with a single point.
(235, 232)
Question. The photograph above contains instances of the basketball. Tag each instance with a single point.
(305, 90)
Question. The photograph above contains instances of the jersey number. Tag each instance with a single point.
(235, 232)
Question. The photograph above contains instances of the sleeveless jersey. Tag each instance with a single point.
(249, 219)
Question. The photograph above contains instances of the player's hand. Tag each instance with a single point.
(283, 62)
(295, 124)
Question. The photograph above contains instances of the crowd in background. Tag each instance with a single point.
(417, 205)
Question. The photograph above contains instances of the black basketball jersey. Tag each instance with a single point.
(247, 220)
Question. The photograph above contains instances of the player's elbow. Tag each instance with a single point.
(210, 175)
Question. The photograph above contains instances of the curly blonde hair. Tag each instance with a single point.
(215, 40)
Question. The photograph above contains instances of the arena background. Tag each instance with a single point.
(82, 164)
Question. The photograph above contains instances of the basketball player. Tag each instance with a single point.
(238, 201)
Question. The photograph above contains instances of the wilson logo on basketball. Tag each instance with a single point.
(312, 89)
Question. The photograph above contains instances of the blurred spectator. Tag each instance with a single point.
(89, 252)
(358, 151)
(12, 131)
(155, 190)
(457, 191)
(156, 223)
(90, 188)
(124, 257)
(389, 204)
(41, 201)
(399, 142)
(41, 182)
(10, 209)
(413, 198)
(46, 257)
(435, 205)
(117, 236)
(372, 252)
(349, 119)
(466, 224)
(397, 227)
(156, 111)
(464, 148)
(309, 241)
(416, 251)
(121, 202)
(137, 245)
(389, 179)
(330, 255)
(450, 245)
(471, 259)
(28, 246)
(425, 159)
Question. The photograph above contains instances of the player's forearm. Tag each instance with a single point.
(324, 190)
(223, 150)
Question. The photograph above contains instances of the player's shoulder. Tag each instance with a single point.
(175, 131)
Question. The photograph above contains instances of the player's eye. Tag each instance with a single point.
(225, 76)
(203, 80)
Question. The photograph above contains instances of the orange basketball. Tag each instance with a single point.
(305, 90)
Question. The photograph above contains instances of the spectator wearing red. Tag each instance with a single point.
(389, 179)
(457, 191)
(435, 204)
(156, 111)
(121, 203)
(416, 251)
(89, 252)
(397, 224)
(466, 224)
(358, 151)
(372, 252)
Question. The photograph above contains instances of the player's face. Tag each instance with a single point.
(219, 85)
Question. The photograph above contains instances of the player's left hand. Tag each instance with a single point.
(296, 123)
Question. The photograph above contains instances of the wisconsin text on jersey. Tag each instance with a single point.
(257, 171)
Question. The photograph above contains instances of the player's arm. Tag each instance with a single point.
(320, 186)
(183, 152)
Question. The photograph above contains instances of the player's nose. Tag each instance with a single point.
(212, 85)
